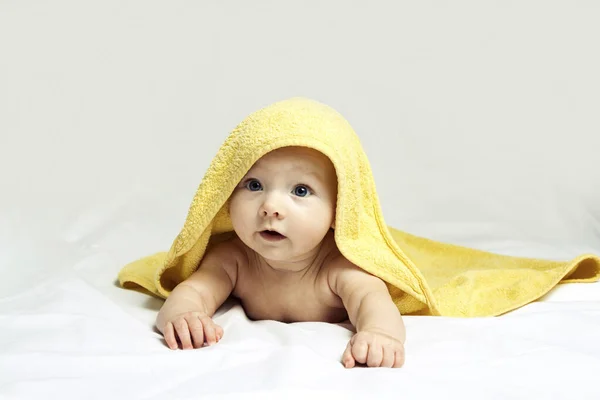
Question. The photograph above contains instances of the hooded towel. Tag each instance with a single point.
(424, 276)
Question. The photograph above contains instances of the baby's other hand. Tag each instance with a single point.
(375, 349)
(192, 330)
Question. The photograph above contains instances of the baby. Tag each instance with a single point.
(283, 264)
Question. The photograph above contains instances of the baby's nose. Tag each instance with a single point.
(267, 213)
(271, 208)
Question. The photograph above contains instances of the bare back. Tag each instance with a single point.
(288, 297)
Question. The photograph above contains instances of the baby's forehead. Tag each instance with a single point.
(301, 157)
(297, 159)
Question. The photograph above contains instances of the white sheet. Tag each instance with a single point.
(65, 338)
(480, 121)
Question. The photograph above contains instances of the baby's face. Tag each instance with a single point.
(284, 206)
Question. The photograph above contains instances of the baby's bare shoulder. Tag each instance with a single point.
(225, 249)
(342, 273)
(227, 254)
(332, 268)
(336, 265)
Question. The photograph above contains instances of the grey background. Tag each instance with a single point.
(480, 118)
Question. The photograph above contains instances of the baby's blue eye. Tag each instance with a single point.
(301, 191)
(253, 185)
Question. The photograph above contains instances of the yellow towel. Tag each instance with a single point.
(424, 276)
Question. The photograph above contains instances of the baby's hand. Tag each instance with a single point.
(192, 330)
(375, 349)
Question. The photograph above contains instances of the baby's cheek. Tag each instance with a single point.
(240, 226)
(311, 239)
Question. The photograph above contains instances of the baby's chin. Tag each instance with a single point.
(284, 255)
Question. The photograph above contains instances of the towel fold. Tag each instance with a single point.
(424, 276)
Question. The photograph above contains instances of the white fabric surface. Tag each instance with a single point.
(480, 120)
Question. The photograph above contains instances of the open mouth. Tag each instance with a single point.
(271, 235)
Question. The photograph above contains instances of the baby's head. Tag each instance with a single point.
(285, 205)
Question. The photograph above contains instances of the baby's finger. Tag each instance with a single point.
(209, 331)
(169, 335)
(388, 357)
(375, 356)
(399, 358)
(219, 332)
(183, 332)
(196, 331)
(360, 350)
(347, 359)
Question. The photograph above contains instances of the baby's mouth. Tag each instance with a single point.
(271, 235)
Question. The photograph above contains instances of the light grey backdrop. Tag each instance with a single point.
(481, 119)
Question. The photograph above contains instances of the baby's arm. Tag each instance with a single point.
(380, 332)
(187, 312)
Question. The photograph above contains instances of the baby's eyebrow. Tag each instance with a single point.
(316, 174)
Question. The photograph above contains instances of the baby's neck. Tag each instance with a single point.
(288, 271)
